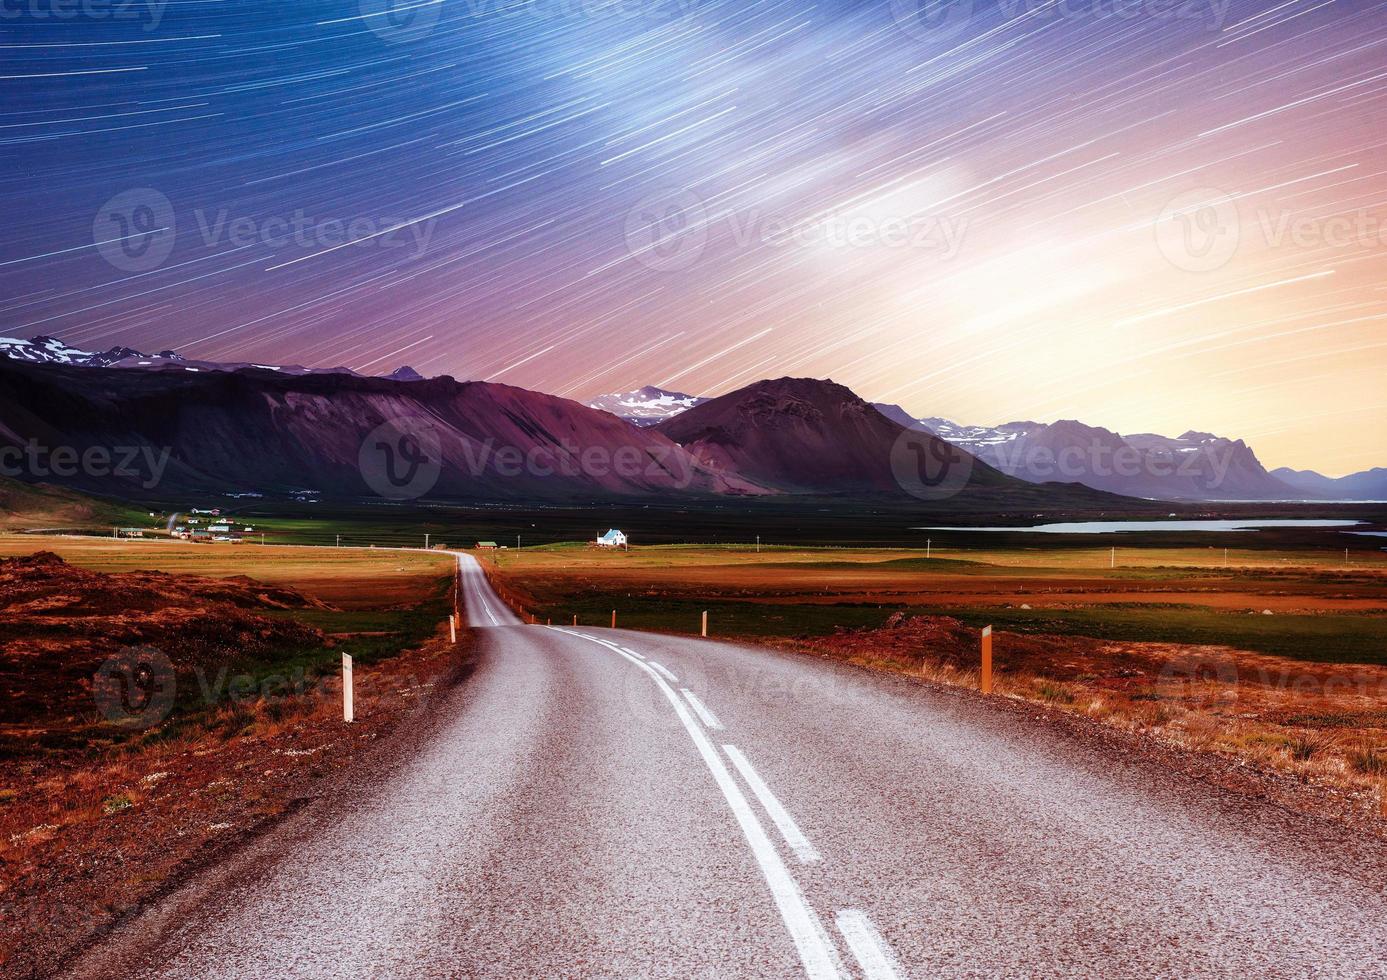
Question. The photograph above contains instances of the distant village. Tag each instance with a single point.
(209, 525)
(200, 525)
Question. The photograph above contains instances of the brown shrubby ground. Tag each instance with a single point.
(97, 818)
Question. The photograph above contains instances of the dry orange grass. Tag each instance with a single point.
(348, 578)
(1322, 725)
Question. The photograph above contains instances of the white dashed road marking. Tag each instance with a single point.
(817, 950)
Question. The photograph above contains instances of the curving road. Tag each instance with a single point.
(609, 803)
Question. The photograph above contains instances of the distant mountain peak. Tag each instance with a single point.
(647, 405)
(404, 373)
(803, 435)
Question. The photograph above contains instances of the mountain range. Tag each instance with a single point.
(335, 434)
(343, 436)
(1367, 485)
(1192, 466)
(784, 436)
(50, 350)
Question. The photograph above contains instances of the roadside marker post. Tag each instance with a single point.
(705, 622)
(613, 619)
(348, 695)
(575, 619)
(452, 629)
(985, 679)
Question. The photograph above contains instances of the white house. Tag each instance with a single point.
(612, 539)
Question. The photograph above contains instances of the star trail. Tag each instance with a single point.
(1152, 215)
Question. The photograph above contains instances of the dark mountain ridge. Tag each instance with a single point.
(254, 430)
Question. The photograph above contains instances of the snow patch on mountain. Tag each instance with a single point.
(646, 406)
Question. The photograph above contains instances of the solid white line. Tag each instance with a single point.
(669, 676)
(816, 949)
(701, 709)
(633, 653)
(804, 850)
(871, 951)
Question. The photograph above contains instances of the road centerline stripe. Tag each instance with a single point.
(816, 949)
(780, 816)
(868, 947)
(701, 709)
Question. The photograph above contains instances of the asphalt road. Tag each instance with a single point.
(610, 803)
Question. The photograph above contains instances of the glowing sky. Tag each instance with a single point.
(1152, 216)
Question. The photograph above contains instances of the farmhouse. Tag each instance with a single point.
(612, 539)
(486, 545)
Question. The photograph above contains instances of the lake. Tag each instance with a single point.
(1119, 527)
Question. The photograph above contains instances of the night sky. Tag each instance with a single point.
(1151, 216)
